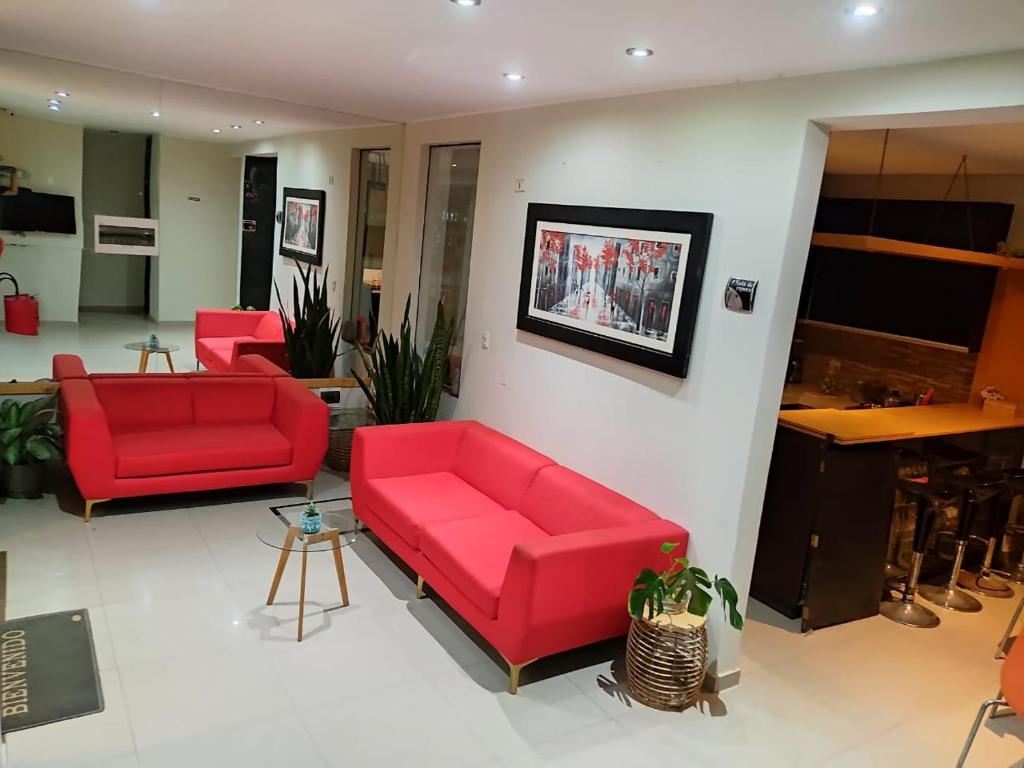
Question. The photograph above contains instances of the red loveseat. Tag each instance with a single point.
(224, 335)
(536, 557)
(141, 434)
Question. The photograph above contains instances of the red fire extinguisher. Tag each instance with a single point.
(21, 311)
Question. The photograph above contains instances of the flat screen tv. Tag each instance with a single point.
(30, 211)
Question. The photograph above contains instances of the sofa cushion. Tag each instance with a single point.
(232, 399)
(221, 349)
(562, 501)
(200, 448)
(412, 503)
(474, 553)
(133, 403)
(497, 465)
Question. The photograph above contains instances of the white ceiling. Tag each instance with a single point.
(413, 59)
(990, 149)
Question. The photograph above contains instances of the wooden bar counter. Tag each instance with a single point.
(824, 532)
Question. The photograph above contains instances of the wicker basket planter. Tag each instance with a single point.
(344, 422)
(666, 660)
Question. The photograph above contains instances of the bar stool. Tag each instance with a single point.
(985, 582)
(950, 597)
(905, 610)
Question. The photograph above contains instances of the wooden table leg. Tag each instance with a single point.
(170, 363)
(302, 591)
(143, 361)
(281, 562)
(339, 566)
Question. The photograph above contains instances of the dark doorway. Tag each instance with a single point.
(259, 199)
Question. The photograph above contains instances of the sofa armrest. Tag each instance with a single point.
(565, 579)
(68, 367)
(274, 351)
(302, 418)
(398, 450)
(257, 364)
(87, 440)
(212, 323)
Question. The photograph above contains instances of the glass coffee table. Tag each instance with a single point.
(282, 531)
(145, 350)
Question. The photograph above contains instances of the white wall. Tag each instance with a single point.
(696, 451)
(198, 239)
(310, 161)
(113, 181)
(46, 265)
(1007, 188)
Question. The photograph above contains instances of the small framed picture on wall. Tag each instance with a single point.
(302, 225)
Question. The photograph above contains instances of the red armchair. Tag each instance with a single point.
(137, 435)
(537, 558)
(224, 335)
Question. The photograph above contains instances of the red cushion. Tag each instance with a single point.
(269, 327)
(412, 503)
(235, 400)
(199, 448)
(474, 553)
(562, 501)
(497, 465)
(133, 403)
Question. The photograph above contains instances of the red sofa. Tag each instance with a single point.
(142, 434)
(224, 335)
(536, 557)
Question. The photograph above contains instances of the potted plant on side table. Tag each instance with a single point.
(667, 649)
(28, 439)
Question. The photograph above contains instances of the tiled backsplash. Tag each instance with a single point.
(908, 366)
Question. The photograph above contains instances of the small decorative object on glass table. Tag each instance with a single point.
(150, 346)
(286, 529)
(667, 649)
(311, 519)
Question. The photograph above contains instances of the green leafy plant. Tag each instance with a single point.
(684, 584)
(401, 386)
(312, 335)
(27, 432)
(240, 308)
(310, 510)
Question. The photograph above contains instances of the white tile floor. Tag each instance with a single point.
(197, 671)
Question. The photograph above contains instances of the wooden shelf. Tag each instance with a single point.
(913, 250)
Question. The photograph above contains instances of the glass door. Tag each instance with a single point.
(368, 257)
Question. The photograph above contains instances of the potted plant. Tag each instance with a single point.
(667, 648)
(312, 334)
(311, 519)
(28, 438)
(401, 386)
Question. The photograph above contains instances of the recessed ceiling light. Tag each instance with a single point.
(55, 107)
(864, 10)
(62, 94)
(639, 53)
(53, 101)
(154, 114)
(455, 165)
(466, 3)
(216, 130)
(514, 76)
(258, 122)
(237, 127)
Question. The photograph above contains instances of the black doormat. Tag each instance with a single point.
(47, 670)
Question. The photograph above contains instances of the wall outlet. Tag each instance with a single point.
(520, 185)
(330, 180)
(485, 340)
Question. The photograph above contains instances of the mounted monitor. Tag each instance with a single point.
(30, 211)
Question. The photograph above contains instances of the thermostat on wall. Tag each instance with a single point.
(739, 294)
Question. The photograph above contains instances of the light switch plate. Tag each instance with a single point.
(485, 340)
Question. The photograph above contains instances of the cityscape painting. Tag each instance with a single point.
(618, 281)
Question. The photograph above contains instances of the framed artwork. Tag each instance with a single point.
(302, 225)
(622, 282)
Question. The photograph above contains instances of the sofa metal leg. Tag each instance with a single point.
(88, 507)
(309, 488)
(420, 594)
(513, 675)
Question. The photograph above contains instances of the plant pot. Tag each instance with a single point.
(23, 481)
(310, 523)
(666, 660)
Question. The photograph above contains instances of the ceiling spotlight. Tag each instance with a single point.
(237, 127)
(865, 10)
(639, 53)
(455, 165)
(154, 114)
(216, 130)
(62, 94)
(514, 76)
(467, 3)
(53, 101)
(258, 122)
(55, 107)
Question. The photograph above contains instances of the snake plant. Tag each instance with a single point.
(401, 386)
(27, 432)
(312, 336)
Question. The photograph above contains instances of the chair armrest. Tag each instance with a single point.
(274, 351)
(68, 367)
(302, 418)
(87, 441)
(225, 323)
(398, 450)
(565, 579)
(257, 363)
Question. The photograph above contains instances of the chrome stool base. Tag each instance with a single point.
(950, 598)
(990, 586)
(911, 614)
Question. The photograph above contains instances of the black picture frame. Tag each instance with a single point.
(673, 358)
(300, 244)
